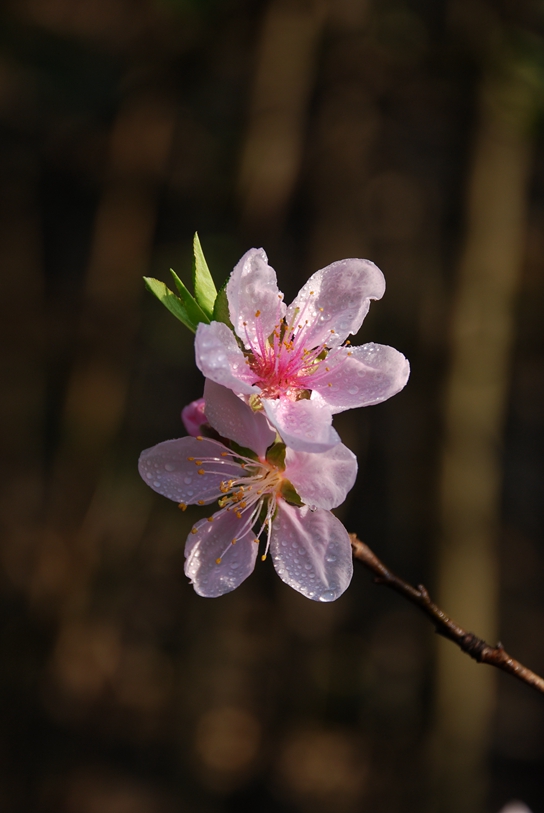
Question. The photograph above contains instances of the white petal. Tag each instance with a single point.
(322, 479)
(305, 425)
(213, 541)
(219, 358)
(252, 289)
(364, 375)
(335, 300)
(234, 419)
(311, 552)
(167, 469)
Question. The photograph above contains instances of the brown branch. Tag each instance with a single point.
(444, 625)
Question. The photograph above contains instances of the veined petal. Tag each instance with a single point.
(219, 358)
(335, 300)
(254, 298)
(304, 425)
(322, 479)
(213, 541)
(234, 419)
(311, 552)
(363, 375)
(167, 469)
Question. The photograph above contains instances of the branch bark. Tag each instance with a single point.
(477, 648)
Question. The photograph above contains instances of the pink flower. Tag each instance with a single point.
(264, 489)
(292, 361)
(193, 417)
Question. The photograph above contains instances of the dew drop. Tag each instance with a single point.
(188, 481)
(330, 558)
(353, 390)
(189, 492)
(169, 467)
(156, 483)
(327, 595)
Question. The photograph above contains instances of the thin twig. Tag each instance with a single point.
(444, 625)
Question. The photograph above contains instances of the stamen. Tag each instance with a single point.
(183, 506)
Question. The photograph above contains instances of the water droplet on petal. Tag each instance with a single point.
(353, 390)
(169, 467)
(327, 595)
(188, 481)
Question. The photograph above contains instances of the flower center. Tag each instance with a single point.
(283, 362)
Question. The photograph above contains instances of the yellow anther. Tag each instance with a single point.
(350, 353)
(332, 331)
(329, 384)
(190, 459)
(224, 454)
(210, 519)
(194, 530)
(238, 514)
(201, 471)
(183, 506)
(321, 309)
(256, 541)
(233, 542)
(199, 437)
(200, 502)
(257, 314)
(312, 293)
(263, 557)
(218, 561)
(198, 462)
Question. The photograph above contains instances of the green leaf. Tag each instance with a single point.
(193, 308)
(205, 290)
(289, 493)
(221, 307)
(186, 310)
(275, 455)
(243, 451)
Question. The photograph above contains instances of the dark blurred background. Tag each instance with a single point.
(406, 131)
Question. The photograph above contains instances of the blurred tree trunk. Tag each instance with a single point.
(476, 392)
(284, 78)
(97, 391)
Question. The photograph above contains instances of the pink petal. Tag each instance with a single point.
(166, 468)
(335, 300)
(324, 479)
(219, 358)
(234, 419)
(252, 289)
(193, 417)
(311, 552)
(304, 425)
(364, 375)
(212, 541)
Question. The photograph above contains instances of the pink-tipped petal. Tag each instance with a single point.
(311, 552)
(167, 469)
(234, 419)
(213, 541)
(304, 425)
(253, 294)
(193, 417)
(364, 375)
(219, 358)
(335, 300)
(322, 480)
